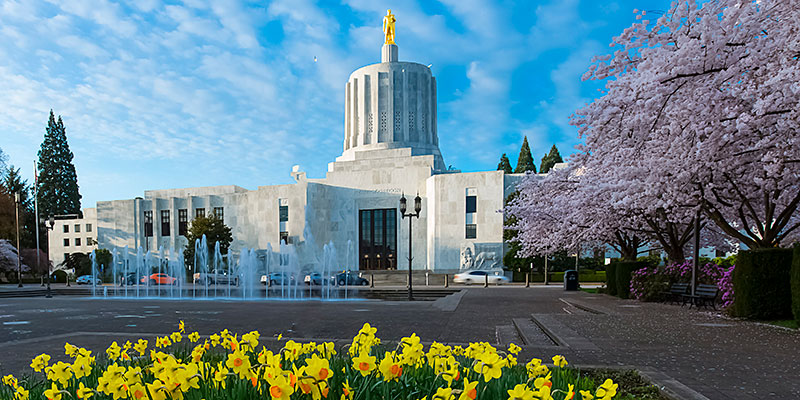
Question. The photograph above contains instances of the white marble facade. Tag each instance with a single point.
(390, 148)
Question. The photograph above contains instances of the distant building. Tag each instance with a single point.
(390, 148)
(73, 234)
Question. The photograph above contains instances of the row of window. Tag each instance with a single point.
(89, 242)
(471, 228)
(78, 228)
(183, 220)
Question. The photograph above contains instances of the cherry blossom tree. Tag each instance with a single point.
(701, 113)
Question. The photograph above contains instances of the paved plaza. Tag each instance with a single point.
(695, 351)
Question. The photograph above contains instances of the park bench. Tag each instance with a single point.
(704, 295)
(675, 292)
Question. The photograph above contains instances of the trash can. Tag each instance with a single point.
(571, 280)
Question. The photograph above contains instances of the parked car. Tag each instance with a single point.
(218, 277)
(313, 279)
(159, 279)
(87, 280)
(278, 278)
(129, 279)
(350, 279)
(479, 276)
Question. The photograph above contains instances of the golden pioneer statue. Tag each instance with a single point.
(388, 27)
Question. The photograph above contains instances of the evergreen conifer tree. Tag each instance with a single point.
(550, 159)
(58, 182)
(525, 160)
(504, 165)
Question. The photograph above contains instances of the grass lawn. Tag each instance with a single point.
(589, 290)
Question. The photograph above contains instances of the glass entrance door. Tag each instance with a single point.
(377, 240)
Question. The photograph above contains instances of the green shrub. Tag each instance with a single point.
(611, 279)
(623, 276)
(795, 281)
(761, 283)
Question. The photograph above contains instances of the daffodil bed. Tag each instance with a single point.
(227, 366)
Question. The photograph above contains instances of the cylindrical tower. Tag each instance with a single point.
(391, 105)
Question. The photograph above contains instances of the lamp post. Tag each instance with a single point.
(417, 208)
(51, 221)
(17, 201)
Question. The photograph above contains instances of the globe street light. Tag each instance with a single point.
(417, 208)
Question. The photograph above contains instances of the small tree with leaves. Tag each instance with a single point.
(214, 229)
(525, 160)
(549, 160)
(504, 165)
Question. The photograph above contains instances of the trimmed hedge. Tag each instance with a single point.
(623, 276)
(611, 279)
(796, 283)
(761, 283)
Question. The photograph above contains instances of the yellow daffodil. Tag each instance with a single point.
(319, 368)
(133, 375)
(60, 372)
(570, 392)
(364, 363)
(281, 386)
(511, 361)
(137, 391)
(70, 350)
(607, 390)
(176, 337)
(535, 368)
(10, 380)
(40, 362)
(84, 392)
(21, 394)
(490, 366)
(444, 394)
(113, 351)
(470, 391)
(251, 339)
(514, 349)
(82, 367)
(215, 340)
(559, 361)
(390, 367)
(520, 392)
(220, 374)
(141, 347)
(54, 393)
(347, 391)
(181, 327)
(586, 395)
(194, 337)
(158, 390)
(239, 363)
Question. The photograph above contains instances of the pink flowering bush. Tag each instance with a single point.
(647, 284)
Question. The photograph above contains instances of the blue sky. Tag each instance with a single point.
(199, 93)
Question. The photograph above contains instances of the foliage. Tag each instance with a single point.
(728, 261)
(58, 182)
(651, 259)
(214, 230)
(549, 160)
(761, 282)
(29, 258)
(525, 160)
(79, 262)
(702, 116)
(229, 366)
(505, 164)
(9, 260)
(12, 182)
(624, 272)
(611, 278)
(795, 282)
(648, 283)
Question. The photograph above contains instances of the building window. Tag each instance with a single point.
(89, 241)
(164, 222)
(66, 256)
(377, 245)
(199, 212)
(148, 223)
(77, 228)
(283, 222)
(66, 242)
(183, 222)
(88, 228)
(472, 231)
(471, 228)
(218, 213)
(77, 242)
(66, 228)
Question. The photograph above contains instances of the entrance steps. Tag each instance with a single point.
(400, 278)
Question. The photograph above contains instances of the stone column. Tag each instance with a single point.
(389, 53)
